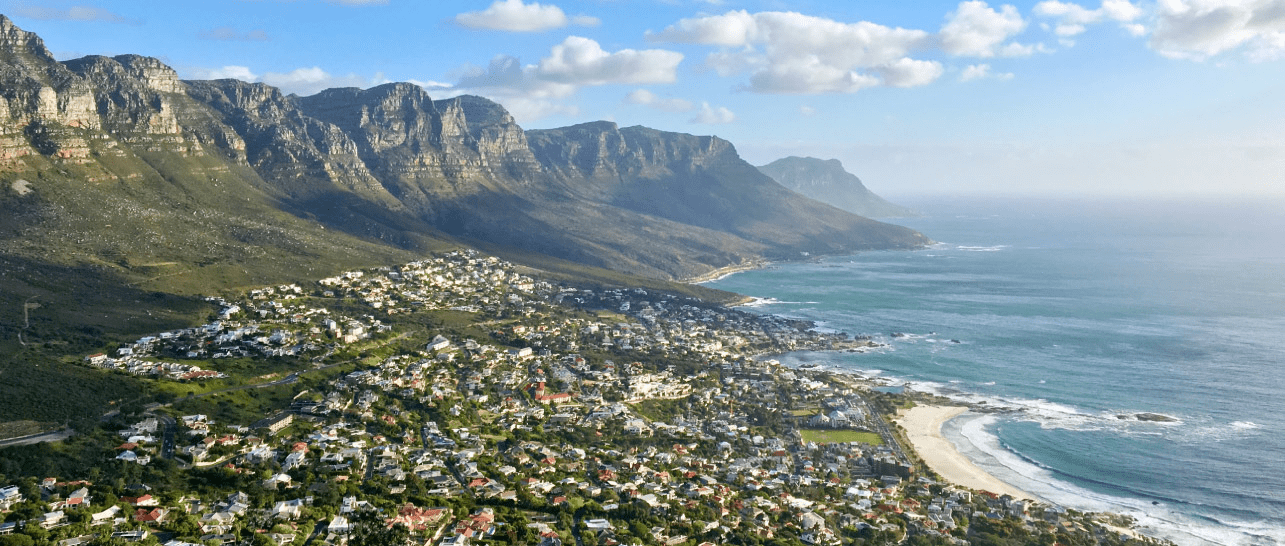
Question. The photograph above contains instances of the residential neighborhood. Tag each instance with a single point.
(457, 400)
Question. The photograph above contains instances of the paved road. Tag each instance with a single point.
(54, 436)
(167, 438)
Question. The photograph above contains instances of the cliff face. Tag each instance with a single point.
(701, 181)
(226, 170)
(828, 182)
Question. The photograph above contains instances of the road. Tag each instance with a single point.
(54, 436)
(888, 437)
(167, 438)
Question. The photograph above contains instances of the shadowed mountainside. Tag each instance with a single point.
(828, 182)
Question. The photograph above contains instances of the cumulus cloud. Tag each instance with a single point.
(74, 13)
(647, 98)
(515, 16)
(532, 91)
(229, 34)
(974, 29)
(581, 61)
(792, 53)
(981, 72)
(1073, 19)
(1197, 30)
(907, 72)
(709, 115)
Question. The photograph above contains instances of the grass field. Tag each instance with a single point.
(835, 436)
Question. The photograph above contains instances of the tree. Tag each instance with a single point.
(369, 530)
(17, 540)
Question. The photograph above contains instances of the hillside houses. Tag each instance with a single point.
(629, 405)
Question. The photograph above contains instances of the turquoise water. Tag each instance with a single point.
(1070, 314)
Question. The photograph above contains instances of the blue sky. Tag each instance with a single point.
(1170, 97)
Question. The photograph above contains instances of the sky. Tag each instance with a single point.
(1103, 97)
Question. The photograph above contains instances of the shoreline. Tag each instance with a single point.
(726, 271)
(922, 425)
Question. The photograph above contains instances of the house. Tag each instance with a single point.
(106, 516)
(153, 515)
(9, 496)
(293, 460)
(52, 519)
(132, 536)
(130, 457)
(144, 500)
(418, 519)
(275, 423)
(339, 526)
(290, 509)
(439, 343)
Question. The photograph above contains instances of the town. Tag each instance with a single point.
(461, 399)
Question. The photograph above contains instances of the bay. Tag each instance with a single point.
(1075, 316)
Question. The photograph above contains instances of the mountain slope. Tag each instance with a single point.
(114, 162)
(828, 182)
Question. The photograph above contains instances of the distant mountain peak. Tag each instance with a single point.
(827, 181)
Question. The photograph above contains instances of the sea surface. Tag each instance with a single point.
(1075, 316)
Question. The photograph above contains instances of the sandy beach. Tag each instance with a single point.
(923, 428)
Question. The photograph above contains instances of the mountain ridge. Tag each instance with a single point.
(121, 163)
(827, 181)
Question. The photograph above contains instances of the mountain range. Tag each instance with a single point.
(117, 174)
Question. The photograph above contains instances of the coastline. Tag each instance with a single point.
(724, 272)
(923, 428)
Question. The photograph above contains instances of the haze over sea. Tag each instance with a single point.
(1071, 313)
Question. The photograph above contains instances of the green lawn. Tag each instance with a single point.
(833, 436)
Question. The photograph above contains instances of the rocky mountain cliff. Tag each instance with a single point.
(116, 165)
(826, 180)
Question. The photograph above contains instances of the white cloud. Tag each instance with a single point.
(242, 73)
(309, 81)
(807, 110)
(907, 72)
(1197, 30)
(229, 34)
(74, 13)
(709, 115)
(981, 72)
(533, 91)
(526, 109)
(809, 76)
(976, 30)
(582, 61)
(1073, 19)
(301, 81)
(515, 16)
(647, 98)
(792, 53)
(506, 75)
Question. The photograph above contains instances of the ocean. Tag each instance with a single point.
(1075, 316)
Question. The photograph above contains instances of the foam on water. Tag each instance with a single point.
(1076, 320)
(971, 433)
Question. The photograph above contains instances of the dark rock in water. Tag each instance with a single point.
(1151, 417)
(954, 341)
(899, 334)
